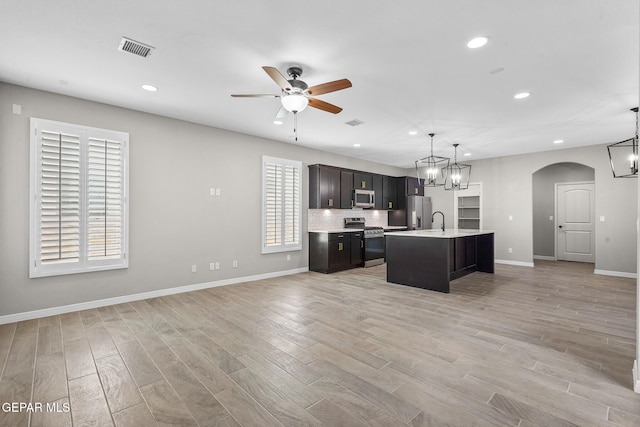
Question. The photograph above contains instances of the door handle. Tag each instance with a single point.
(559, 226)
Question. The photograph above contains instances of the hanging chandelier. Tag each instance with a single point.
(623, 155)
(433, 167)
(457, 175)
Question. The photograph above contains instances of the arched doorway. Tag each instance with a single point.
(545, 182)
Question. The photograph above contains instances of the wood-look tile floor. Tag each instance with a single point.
(550, 346)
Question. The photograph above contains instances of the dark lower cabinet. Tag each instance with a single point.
(464, 255)
(330, 252)
(357, 249)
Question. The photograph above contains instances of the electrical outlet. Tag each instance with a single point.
(217, 266)
(194, 268)
(510, 217)
(217, 191)
(212, 191)
(510, 250)
(288, 257)
(212, 266)
(550, 217)
(235, 264)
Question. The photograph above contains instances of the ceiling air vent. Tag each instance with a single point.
(137, 48)
(354, 122)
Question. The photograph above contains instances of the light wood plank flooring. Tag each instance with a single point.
(549, 346)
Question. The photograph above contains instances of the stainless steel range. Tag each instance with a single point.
(373, 241)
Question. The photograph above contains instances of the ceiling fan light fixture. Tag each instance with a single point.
(294, 103)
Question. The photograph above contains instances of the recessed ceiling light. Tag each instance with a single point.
(521, 95)
(477, 42)
(558, 141)
(413, 132)
(150, 88)
(277, 122)
(356, 145)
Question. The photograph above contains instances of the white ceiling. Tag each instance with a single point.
(407, 60)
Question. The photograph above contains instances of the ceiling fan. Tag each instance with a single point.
(296, 94)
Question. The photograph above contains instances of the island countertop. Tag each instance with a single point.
(437, 233)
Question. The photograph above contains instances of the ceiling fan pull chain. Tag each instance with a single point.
(295, 124)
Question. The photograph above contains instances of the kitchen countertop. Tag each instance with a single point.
(437, 233)
(336, 230)
(352, 230)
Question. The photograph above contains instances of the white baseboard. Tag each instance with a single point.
(518, 263)
(636, 377)
(17, 317)
(544, 258)
(616, 273)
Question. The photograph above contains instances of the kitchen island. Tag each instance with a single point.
(430, 259)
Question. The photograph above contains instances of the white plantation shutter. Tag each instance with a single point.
(78, 199)
(59, 187)
(281, 205)
(105, 199)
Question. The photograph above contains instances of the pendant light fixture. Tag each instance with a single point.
(623, 155)
(457, 175)
(433, 168)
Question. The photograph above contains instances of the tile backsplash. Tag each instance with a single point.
(326, 219)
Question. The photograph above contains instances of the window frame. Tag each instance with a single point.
(83, 264)
(283, 246)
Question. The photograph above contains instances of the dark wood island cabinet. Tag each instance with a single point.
(430, 259)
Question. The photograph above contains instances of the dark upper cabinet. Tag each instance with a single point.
(413, 186)
(346, 189)
(378, 181)
(324, 187)
(332, 188)
(363, 180)
(389, 193)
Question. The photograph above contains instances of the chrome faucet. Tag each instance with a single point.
(434, 214)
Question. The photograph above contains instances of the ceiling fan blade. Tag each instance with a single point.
(329, 87)
(255, 95)
(324, 106)
(281, 114)
(277, 77)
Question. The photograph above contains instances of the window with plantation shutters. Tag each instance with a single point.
(281, 207)
(78, 209)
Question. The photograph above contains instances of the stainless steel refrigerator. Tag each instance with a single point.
(418, 212)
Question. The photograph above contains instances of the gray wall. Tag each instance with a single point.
(543, 197)
(507, 184)
(174, 223)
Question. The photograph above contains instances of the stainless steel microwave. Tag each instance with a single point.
(364, 198)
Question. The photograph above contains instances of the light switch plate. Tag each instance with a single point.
(16, 109)
(601, 218)
(217, 191)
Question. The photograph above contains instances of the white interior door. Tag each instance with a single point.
(575, 236)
